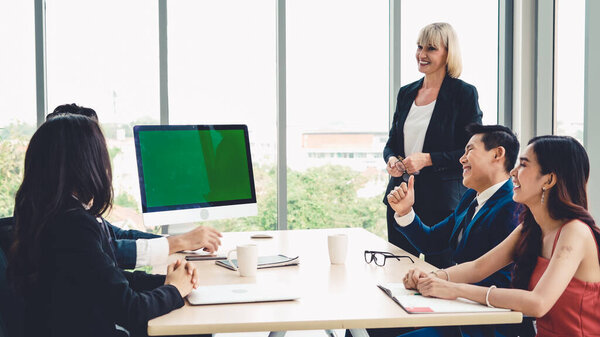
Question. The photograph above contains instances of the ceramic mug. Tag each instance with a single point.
(338, 247)
(247, 259)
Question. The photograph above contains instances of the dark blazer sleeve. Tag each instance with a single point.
(429, 240)
(469, 112)
(140, 281)
(122, 234)
(83, 262)
(125, 245)
(391, 147)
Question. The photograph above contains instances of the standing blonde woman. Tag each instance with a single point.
(428, 134)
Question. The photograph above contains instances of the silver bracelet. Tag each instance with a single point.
(445, 272)
(487, 297)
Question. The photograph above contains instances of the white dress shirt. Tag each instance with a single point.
(415, 127)
(152, 252)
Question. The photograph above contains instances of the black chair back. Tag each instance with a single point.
(12, 307)
(3, 282)
(7, 226)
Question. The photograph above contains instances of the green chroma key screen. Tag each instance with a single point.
(183, 167)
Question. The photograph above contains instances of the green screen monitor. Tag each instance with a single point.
(191, 173)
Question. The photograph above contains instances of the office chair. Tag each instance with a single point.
(3, 263)
(6, 233)
(11, 305)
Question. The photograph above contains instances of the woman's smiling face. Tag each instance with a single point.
(431, 59)
(528, 179)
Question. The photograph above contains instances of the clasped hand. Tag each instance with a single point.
(411, 164)
(183, 276)
(428, 284)
(394, 167)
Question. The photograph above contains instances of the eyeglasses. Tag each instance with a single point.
(381, 257)
(400, 166)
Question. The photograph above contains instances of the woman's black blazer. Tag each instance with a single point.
(438, 187)
(82, 292)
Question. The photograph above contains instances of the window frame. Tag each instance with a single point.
(539, 83)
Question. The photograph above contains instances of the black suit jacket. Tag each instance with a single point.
(82, 292)
(438, 187)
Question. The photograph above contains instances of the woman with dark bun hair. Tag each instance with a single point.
(62, 260)
(555, 248)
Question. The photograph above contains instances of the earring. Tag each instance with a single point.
(543, 194)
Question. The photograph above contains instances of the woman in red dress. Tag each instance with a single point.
(556, 277)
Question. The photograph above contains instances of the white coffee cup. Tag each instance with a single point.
(338, 247)
(247, 259)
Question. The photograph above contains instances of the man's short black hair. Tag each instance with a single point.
(494, 136)
(73, 109)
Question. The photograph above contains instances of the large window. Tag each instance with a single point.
(337, 113)
(104, 55)
(569, 45)
(222, 71)
(476, 24)
(17, 95)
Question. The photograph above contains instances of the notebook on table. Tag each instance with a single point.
(415, 303)
(265, 262)
(241, 293)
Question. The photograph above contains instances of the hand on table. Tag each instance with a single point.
(183, 276)
(411, 279)
(432, 286)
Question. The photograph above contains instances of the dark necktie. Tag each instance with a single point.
(463, 225)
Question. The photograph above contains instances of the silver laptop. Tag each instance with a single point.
(242, 293)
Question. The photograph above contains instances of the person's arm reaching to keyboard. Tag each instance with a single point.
(134, 249)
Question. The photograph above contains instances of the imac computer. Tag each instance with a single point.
(191, 173)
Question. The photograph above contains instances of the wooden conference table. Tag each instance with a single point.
(332, 296)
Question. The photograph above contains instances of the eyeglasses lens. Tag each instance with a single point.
(368, 257)
(379, 259)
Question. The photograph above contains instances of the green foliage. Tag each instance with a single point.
(125, 199)
(12, 153)
(326, 197)
(112, 153)
(321, 197)
(146, 269)
(18, 130)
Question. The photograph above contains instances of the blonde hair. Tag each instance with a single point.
(441, 34)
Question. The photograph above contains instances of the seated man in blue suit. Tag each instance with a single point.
(485, 216)
(135, 248)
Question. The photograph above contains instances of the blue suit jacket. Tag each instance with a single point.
(125, 246)
(496, 219)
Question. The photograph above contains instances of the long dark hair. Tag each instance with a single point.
(566, 158)
(66, 158)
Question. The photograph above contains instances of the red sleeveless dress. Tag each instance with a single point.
(577, 311)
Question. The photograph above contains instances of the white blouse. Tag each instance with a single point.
(415, 127)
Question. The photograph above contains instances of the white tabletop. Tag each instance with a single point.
(332, 296)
